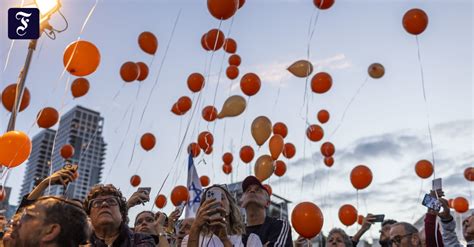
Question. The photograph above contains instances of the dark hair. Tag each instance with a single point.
(70, 216)
(409, 228)
(143, 212)
(107, 190)
(388, 222)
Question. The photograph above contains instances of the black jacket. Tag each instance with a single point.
(127, 238)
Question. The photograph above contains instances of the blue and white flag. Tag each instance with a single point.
(195, 189)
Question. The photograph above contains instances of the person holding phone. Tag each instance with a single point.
(218, 221)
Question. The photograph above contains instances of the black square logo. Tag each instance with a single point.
(23, 23)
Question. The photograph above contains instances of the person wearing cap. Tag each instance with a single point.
(261, 229)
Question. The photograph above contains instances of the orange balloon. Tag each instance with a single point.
(209, 113)
(323, 116)
(276, 145)
(143, 68)
(321, 82)
(269, 189)
(376, 70)
(179, 194)
(360, 219)
(232, 72)
(215, 39)
(15, 148)
(261, 129)
(148, 141)
(415, 21)
(203, 42)
(235, 60)
(280, 168)
(184, 104)
(67, 151)
(227, 158)
(328, 161)
(315, 133)
(81, 58)
(135, 180)
(361, 177)
(47, 117)
(9, 95)
(222, 9)
(161, 201)
(79, 87)
(205, 181)
(129, 71)
(424, 168)
(280, 128)
(247, 154)
(289, 150)
(469, 174)
(230, 46)
(195, 82)
(205, 140)
(194, 149)
(307, 219)
(323, 4)
(328, 149)
(241, 3)
(208, 150)
(250, 84)
(347, 214)
(175, 109)
(460, 205)
(264, 167)
(148, 42)
(227, 168)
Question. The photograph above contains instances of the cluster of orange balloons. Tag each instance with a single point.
(182, 106)
(131, 71)
(328, 150)
(227, 158)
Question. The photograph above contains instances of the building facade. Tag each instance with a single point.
(38, 165)
(82, 128)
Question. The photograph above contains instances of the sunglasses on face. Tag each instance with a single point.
(110, 201)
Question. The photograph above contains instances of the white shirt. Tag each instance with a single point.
(214, 241)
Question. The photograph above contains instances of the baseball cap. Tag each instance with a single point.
(251, 180)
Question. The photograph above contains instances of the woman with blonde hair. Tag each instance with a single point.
(218, 221)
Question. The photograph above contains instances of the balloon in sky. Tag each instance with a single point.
(301, 68)
(81, 58)
(233, 106)
(261, 129)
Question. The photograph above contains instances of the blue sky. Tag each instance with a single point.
(385, 127)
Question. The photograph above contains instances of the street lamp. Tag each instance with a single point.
(46, 8)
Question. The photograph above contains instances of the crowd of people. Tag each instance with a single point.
(102, 220)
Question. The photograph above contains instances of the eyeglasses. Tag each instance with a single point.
(110, 201)
(398, 239)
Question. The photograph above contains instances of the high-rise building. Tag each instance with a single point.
(37, 166)
(82, 128)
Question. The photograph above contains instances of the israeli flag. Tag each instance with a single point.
(195, 189)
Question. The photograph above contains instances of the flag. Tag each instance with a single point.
(195, 189)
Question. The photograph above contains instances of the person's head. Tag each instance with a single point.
(145, 223)
(184, 229)
(403, 234)
(338, 238)
(106, 207)
(384, 239)
(254, 193)
(468, 228)
(232, 212)
(52, 221)
(12, 224)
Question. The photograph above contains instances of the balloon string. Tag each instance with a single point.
(245, 121)
(277, 97)
(161, 187)
(348, 106)
(8, 55)
(426, 105)
(136, 135)
(160, 68)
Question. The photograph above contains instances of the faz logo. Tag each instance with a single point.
(23, 23)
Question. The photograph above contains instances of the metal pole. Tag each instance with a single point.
(20, 86)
